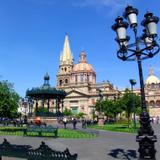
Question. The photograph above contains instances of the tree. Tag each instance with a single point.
(127, 101)
(109, 107)
(80, 115)
(9, 100)
(41, 111)
(67, 112)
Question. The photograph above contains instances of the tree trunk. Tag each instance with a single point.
(128, 116)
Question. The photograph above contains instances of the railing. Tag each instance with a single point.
(41, 153)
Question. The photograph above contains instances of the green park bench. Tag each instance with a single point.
(27, 152)
(30, 130)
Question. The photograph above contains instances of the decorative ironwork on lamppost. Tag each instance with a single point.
(143, 47)
(133, 83)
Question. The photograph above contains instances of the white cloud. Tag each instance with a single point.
(113, 5)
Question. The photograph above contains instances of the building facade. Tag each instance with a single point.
(79, 82)
(152, 92)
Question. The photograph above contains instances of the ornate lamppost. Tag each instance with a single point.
(100, 117)
(30, 103)
(25, 106)
(133, 83)
(143, 47)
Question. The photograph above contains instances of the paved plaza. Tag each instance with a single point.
(108, 146)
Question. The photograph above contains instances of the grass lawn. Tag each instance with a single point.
(116, 127)
(62, 133)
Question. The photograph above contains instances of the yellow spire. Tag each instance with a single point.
(151, 71)
(66, 56)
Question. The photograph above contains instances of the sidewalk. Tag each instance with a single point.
(108, 146)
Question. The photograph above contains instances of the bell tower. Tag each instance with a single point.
(66, 65)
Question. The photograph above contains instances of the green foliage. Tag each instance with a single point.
(9, 100)
(67, 112)
(62, 133)
(80, 115)
(109, 107)
(129, 100)
(116, 128)
(123, 104)
(41, 110)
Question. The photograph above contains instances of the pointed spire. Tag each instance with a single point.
(66, 56)
(46, 80)
(151, 71)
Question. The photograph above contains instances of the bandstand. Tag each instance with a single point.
(46, 94)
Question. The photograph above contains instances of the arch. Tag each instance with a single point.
(88, 78)
(81, 76)
(152, 103)
(76, 78)
(65, 69)
(158, 103)
(60, 83)
(66, 81)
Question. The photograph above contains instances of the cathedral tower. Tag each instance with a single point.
(66, 65)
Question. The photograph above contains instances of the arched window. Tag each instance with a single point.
(152, 103)
(65, 69)
(76, 78)
(66, 80)
(87, 78)
(81, 77)
(60, 82)
(158, 103)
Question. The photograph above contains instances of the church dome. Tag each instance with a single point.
(83, 66)
(152, 79)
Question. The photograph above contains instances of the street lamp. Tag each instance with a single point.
(133, 82)
(100, 117)
(25, 105)
(143, 47)
(30, 103)
(100, 99)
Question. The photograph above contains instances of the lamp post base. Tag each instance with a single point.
(146, 138)
(101, 120)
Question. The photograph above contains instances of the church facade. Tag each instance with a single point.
(152, 92)
(79, 82)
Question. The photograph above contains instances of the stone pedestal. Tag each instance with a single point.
(101, 120)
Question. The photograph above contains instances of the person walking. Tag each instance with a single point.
(83, 123)
(65, 122)
(74, 121)
(157, 119)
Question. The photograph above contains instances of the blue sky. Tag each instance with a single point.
(32, 35)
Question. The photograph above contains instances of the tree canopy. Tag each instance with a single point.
(9, 100)
(111, 107)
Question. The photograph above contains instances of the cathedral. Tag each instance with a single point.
(82, 90)
(79, 82)
(152, 92)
